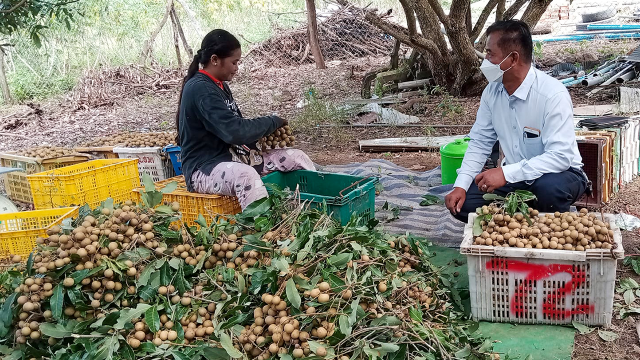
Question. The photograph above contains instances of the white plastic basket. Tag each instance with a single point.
(541, 286)
(150, 161)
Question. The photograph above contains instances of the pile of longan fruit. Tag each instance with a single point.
(281, 138)
(562, 231)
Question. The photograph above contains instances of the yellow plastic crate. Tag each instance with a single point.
(16, 183)
(193, 204)
(19, 231)
(90, 183)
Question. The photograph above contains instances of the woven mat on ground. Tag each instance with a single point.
(403, 189)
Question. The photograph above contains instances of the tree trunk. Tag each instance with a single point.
(6, 95)
(185, 43)
(313, 35)
(148, 44)
(176, 41)
(453, 63)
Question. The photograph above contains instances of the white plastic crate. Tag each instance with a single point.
(150, 161)
(541, 286)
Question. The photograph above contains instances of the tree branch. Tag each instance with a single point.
(500, 9)
(402, 35)
(430, 26)
(482, 20)
(513, 9)
(508, 15)
(410, 15)
(534, 12)
(14, 7)
(437, 8)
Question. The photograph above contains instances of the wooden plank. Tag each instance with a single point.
(384, 100)
(413, 84)
(407, 143)
(392, 75)
(408, 94)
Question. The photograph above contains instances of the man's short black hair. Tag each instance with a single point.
(516, 36)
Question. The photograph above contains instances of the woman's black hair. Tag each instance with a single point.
(217, 42)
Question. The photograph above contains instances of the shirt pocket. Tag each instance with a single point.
(533, 146)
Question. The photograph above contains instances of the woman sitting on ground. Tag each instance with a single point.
(220, 153)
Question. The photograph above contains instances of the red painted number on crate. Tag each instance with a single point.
(145, 160)
(536, 272)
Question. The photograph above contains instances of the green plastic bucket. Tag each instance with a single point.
(451, 156)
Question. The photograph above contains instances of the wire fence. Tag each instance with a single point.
(343, 34)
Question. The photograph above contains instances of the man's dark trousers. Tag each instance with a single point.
(554, 192)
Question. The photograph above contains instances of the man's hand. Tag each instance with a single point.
(454, 200)
(490, 180)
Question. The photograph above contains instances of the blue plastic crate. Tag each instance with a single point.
(176, 159)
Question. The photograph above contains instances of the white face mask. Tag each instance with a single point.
(492, 71)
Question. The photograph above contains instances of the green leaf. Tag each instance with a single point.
(57, 331)
(386, 348)
(286, 357)
(127, 315)
(415, 314)
(583, 329)
(145, 275)
(634, 262)
(281, 264)
(492, 197)
(127, 352)
(164, 209)
(339, 260)
(57, 302)
(152, 318)
(211, 353)
(355, 305)
(178, 355)
(148, 183)
(170, 187)
(607, 335)
(6, 315)
(227, 344)
(30, 269)
(629, 297)
(401, 354)
(201, 221)
(430, 200)
(628, 283)
(292, 294)
(477, 226)
(345, 327)
(181, 283)
(242, 285)
(109, 347)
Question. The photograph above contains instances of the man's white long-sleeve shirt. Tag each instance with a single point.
(541, 104)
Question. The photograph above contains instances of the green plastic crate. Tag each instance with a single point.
(344, 195)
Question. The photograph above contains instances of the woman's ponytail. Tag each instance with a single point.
(191, 72)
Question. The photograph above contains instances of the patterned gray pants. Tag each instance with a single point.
(243, 181)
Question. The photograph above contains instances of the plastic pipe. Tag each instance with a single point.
(598, 79)
(613, 27)
(614, 36)
(569, 79)
(574, 82)
(626, 77)
(620, 73)
(605, 69)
